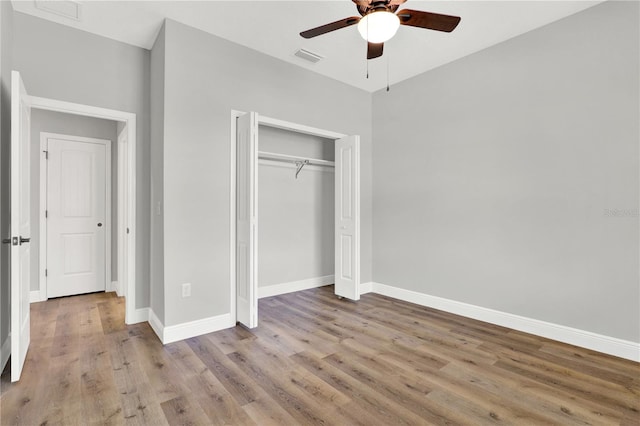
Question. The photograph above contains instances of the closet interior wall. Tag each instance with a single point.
(295, 215)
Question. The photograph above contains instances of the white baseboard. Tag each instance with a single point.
(173, 333)
(156, 324)
(290, 287)
(366, 288)
(36, 296)
(5, 352)
(586, 339)
(186, 330)
(115, 286)
(139, 315)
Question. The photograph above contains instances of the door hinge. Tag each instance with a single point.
(127, 230)
(46, 155)
(46, 213)
(46, 272)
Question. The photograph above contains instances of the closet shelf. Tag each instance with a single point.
(294, 159)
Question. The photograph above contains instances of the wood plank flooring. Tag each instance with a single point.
(314, 359)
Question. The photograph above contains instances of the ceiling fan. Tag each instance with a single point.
(379, 22)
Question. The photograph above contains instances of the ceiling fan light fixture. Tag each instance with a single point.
(378, 26)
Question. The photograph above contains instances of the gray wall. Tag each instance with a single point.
(205, 78)
(157, 176)
(71, 125)
(295, 216)
(63, 63)
(6, 38)
(509, 179)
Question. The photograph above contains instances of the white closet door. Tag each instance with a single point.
(347, 223)
(20, 225)
(247, 221)
(76, 223)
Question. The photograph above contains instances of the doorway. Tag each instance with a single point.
(21, 105)
(244, 210)
(126, 237)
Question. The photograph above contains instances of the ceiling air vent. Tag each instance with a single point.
(307, 55)
(65, 8)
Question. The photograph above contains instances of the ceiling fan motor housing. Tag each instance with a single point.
(377, 6)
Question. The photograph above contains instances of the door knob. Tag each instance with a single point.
(24, 240)
(6, 241)
(99, 224)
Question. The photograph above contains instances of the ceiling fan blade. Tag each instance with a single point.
(374, 50)
(428, 20)
(323, 29)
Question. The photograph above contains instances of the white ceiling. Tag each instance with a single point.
(273, 27)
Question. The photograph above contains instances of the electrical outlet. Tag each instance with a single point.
(186, 290)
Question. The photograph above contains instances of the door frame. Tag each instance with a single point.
(44, 188)
(121, 192)
(128, 119)
(269, 122)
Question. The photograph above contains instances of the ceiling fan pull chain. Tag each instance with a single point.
(367, 48)
(387, 72)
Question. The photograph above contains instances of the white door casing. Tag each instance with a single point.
(20, 225)
(128, 120)
(347, 219)
(246, 228)
(77, 223)
(122, 213)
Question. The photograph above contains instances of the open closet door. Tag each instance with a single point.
(347, 223)
(20, 225)
(247, 220)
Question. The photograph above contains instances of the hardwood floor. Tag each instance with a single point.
(314, 359)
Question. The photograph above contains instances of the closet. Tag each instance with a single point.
(296, 214)
(296, 211)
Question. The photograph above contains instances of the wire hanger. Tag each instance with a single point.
(300, 165)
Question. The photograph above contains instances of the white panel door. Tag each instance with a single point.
(76, 217)
(247, 220)
(347, 223)
(20, 225)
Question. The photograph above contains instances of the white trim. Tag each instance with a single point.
(199, 327)
(140, 315)
(129, 120)
(5, 352)
(80, 109)
(108, 231)
(44, 148)
(114, 287)
(156, 324)
(290, 287)
(42, 279)
(366, 287)
(298, 128)
(573, 336)
(173, 333)
(121, 195)
(232, 214)
(36, 296)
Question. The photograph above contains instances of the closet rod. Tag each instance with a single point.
(293, 159)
